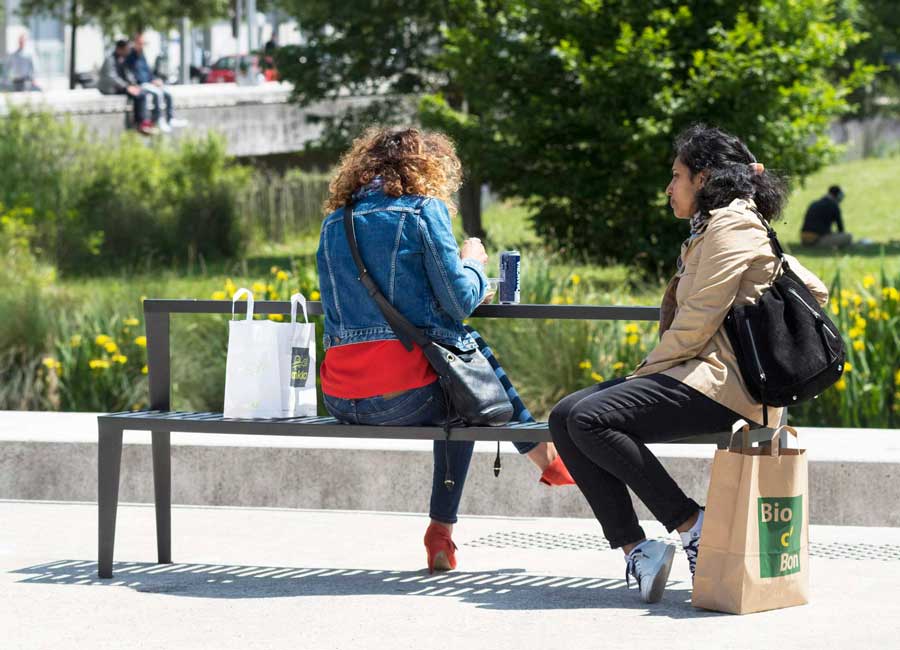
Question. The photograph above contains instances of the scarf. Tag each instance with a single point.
(698, 226)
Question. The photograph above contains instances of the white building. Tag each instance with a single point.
(49, 42)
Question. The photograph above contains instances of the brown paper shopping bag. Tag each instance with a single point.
(754, 546)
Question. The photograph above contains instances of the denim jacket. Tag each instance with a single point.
(407, 245)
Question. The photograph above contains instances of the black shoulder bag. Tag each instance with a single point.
(787, 348)
(473, 392)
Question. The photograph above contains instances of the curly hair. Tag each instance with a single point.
(726, 161)
(408, 160)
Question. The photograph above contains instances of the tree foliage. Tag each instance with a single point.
(573, 104)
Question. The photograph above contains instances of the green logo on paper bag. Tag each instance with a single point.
(780, 521)
(299, 367)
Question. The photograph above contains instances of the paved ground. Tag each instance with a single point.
(266, 578)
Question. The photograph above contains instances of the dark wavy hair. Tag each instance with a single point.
(726, 161)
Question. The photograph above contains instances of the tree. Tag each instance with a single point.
(363, 48)
(129, 15)
(573, 104)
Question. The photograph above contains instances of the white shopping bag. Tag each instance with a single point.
(270, 369)
(300, 387)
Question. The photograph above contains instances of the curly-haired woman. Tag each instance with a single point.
(400, 183)
(690, 382)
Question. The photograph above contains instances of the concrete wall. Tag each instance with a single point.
(844, 492)
(255, 120)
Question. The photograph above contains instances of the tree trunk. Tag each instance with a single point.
(74, 18)
(470, 207)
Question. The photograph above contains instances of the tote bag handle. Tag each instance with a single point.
(298, 299)
(237, 294)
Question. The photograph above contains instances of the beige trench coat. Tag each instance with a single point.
(732, 262)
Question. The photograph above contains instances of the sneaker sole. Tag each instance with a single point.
(658, 588)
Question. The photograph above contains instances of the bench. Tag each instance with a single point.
(159, 420)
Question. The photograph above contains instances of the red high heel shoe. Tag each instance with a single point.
(556, 474)
(440, 548)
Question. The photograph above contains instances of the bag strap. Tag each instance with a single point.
(405, 331)
(773, 239)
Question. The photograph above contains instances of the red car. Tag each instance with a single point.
(223, 70)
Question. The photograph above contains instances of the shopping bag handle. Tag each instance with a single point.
(237, 294)
(742, 427)
(775, 446)
(301, 299)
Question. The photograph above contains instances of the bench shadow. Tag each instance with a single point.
(504, 589)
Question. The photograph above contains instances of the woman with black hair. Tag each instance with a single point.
(690, 382)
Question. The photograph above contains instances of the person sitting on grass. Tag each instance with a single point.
(690, 383)
(820, 216)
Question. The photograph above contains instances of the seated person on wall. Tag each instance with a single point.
(117, 79)
(820, 215)
(153, 86)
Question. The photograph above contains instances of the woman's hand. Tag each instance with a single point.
(472, 248)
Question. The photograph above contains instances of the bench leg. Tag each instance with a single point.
(162, 489)
(109, 463)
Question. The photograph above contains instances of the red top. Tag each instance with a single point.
(361, 370)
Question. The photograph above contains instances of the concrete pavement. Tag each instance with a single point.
(279, 578)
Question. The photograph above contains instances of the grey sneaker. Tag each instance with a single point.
(650, 564)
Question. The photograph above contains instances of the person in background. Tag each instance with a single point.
(400, 183)
(20, 70)
(820, 215)
(117, 79)
(153, 86)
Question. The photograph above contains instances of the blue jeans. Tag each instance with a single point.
(419, 406)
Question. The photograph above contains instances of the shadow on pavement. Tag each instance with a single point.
(505, 589)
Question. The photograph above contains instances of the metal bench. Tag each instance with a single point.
(160, 420)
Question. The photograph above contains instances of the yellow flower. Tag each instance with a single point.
(897, 379)
(858, 345)
(631, 328)
(848, 366)
(556, 300)
(259, 287)
(860, 322)
(230, 287)
(585, 365)
(273, 270)
(845, 303)
(854, 333)
(276, 317)
(144, 370)
(618, 365)
(570, 300)
(857, 300)
(131, 322)
(218, 295)
(872, 303)
(597, 377)
(841, 384)
(111, 347)
(121, 359)
(141, 341)
(75, 341)
(875, 314)
(869, 281)
(281, 275)
(632, 339)
(890, 293)
(49, 362)
(98, 364)
(885, 316)
(315, 295)
(102, 339)
(576, 279)
(834, 307)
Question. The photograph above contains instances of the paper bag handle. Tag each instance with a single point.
(775, 446)
(301, 299)
(237, 294)
(742, 427)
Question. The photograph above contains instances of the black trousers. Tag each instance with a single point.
(602, 433)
